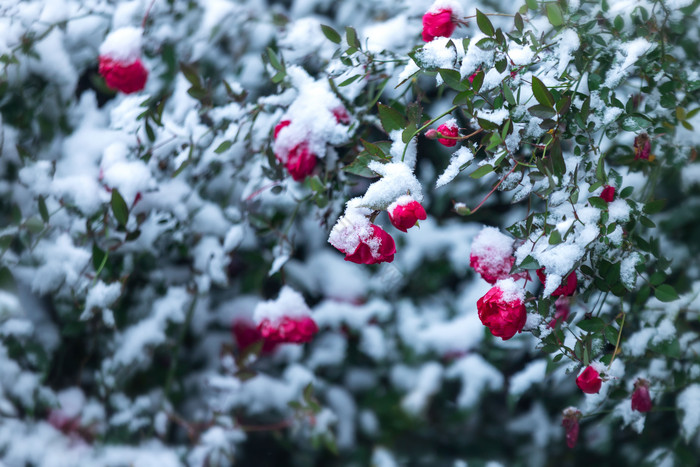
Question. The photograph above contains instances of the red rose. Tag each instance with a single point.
(405, 215)
(589, 381)
(245, 333)
(448, 130)
(379, 239)
(125, 77)
(473, 75)
(569, 421)
(642, 147)
(341, 115)
(567, 289)
(279, 126)
(492, 255)
(300, 161)
(503, 313)
(438, 24)
(561, 311)
(296, 330)
(641, 400)
(608, 193)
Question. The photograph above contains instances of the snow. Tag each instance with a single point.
(397, 180)
(289, 303)
(422, 388)
(491, 247)
(511, 290)
(568, 44)
(532, 374)
(476, 375)
(627, 55)
(123, 45)
(459, 158)
(688, 403)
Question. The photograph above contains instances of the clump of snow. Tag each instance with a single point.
(627, 55)
(397, 180)
(476, 376)
(511, 290)
(289, 303)
(688, 403)
(532, 374)
(351, 229)
(492, 248)
(459, 158)
(123, 44)
(568, 43)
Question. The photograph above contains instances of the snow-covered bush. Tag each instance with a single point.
(307, 232)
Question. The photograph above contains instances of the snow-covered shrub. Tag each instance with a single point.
(228, 235)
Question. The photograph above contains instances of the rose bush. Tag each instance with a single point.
(199, 267)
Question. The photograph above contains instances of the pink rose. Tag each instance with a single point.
(566, 289)
(570, 418)
(125, 77)
(405, 215)
(589, 380)
(608, 193)
(438, 24)
(296, 330)
(641, 400)
(448, 130)
(503, 313)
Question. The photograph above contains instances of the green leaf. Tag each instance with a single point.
(542, 111)
(666, 293)
(626, 192)
(350, 80)
(653, 207)
(391, 118)
(274, 61)
(351, 36)
(223, 147)
(593, 325)
(598, 202)
(529, 263)
(43, 211)
(481, 171)
(374, 150)
(486, 44)
(119, 208)
(478, 80)
(190, 73)
(99, 257)
(554, 14)
(554, 237)
(518, 22)
(484, 23)
(316, 185)
(541, 93)
(359, 166)
(508, 94)
(7, 280)
(453, 79)
(331, 34)
(532, 4)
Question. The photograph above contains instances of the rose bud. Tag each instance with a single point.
(492, 255)
(570, 419)
(438, 22)
(608, 193)
(405, 212)
(642, 146)
(299, 160)
(451, 129)
(361, 241)
(641, 400)
(589, 380)
(502, 309)
(120, 61)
